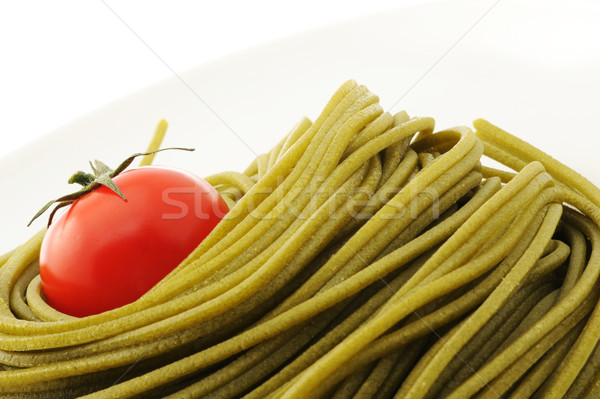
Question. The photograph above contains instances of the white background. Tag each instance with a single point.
(62, 59)
(530, 67)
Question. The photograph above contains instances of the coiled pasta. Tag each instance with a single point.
(364, 256)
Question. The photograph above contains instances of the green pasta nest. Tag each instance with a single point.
(364, 256)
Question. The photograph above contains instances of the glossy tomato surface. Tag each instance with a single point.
(105, 252)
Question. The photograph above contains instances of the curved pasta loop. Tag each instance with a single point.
(365, 256)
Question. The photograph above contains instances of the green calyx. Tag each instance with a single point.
(102, 176)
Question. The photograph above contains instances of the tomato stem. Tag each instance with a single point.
(102, 176)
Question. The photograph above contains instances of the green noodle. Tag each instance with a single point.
(364, 256)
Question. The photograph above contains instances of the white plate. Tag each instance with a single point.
(530, 67)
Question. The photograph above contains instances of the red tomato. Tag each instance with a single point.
(105, 252)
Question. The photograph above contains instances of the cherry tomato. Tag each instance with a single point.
(105, 252)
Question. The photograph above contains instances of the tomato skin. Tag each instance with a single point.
(105, 252)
